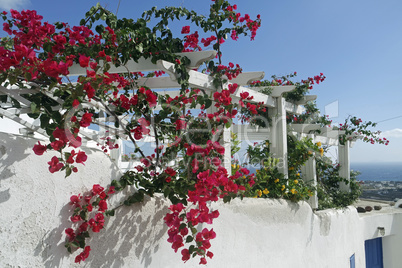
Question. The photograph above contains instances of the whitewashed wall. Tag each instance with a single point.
(250, 233)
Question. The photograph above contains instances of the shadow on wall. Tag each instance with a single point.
(9, 155)
(131, 236)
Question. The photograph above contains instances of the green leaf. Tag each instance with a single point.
(68, 171)
(182, 226)
(110, 212)
(100, 29)
(44, 121)
(189, 239)
(226, 199)
(33, 107)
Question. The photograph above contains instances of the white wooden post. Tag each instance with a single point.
(227, 143)
(310, 177)
(344, 161)
(279, 142)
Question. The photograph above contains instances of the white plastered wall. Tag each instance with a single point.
(250, 232)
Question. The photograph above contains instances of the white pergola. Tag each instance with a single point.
(275, 102)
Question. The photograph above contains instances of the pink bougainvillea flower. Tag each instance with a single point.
(111, 190)
(57, 145)
(97, 189)
(70, 234)
(83, 255)
(76, 103)
(102, 205)
(89, 90)
(86, 120)
(81, 157)
(151, 98)
(170, 171)
(76, 218)
(75, 199)
(39, 149)
(185, 254)
(76, 142)
(55, 165)
(84, 61)
(185, 30)
(60, 134)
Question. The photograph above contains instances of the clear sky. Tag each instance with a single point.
(356, 44)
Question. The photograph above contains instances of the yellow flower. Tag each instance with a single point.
(259, 193)
(321, 151)
(291, 168)
(293, 191)
(255, 196)
(233, 165)
(277, 180)
(310, 152)
(298, 174)
(265, 191)
(267, 143)
(319, 144)
(283, 187)
(296, 181)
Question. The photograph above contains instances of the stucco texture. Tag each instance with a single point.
(250, 233)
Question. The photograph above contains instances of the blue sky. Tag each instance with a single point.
(356, 44)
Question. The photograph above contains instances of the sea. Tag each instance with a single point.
(378, 171)
(372, 171)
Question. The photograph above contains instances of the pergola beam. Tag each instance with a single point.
(146, 65)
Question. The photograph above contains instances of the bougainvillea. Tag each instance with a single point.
(39, 55)
(187, 165)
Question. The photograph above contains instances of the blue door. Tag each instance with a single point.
(373, 249)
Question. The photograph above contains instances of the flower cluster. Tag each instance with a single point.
(94, 204)
(355, 128)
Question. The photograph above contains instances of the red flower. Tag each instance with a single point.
(75, 218)
(70, 234)
(186, 255)
(151, 98)
(102, 205)
(180, 124)
(57, 145)
(170, 171)
(96, 189)
(203, 261)
(84, 61)
(185, 30)
(86, 119)
(76, 103)
(111, 190)
(60, 134)
(81, 157)
(83, 255)
(89, 90)
(75, 199)
(39, 149)
(102, 54)
(55, 165)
